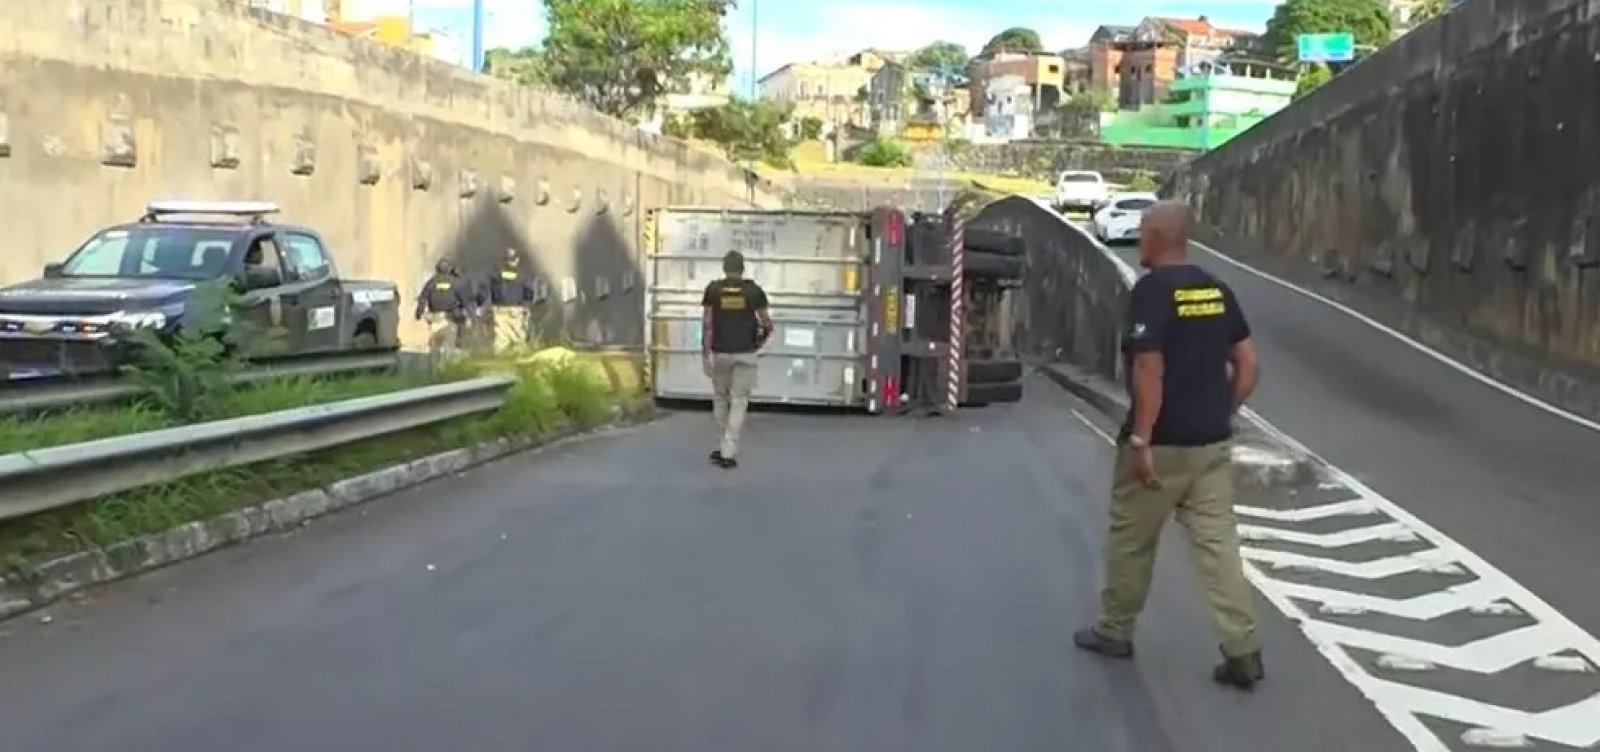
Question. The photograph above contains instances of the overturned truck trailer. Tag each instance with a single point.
(878, 311)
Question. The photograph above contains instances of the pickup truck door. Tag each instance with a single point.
(313, 292)
(264, 306)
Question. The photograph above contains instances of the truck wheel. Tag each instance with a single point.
(994, 265)
(994, 241)
(993, 371)
(979, 395)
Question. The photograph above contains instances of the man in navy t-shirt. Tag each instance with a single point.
(1190, 364)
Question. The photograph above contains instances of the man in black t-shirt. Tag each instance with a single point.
(1190, 365)
(735, 326)
(512, 295)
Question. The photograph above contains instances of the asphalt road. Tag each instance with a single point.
(859, 585)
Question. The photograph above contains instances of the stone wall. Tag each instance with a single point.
(398, 160)
(1454, 175)
(1044, 159)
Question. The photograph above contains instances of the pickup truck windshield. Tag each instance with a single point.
(155, 252)
(1079, 177)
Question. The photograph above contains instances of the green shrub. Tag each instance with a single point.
(1143, 181)
(884, 153)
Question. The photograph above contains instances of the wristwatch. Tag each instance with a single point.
(1137, 442)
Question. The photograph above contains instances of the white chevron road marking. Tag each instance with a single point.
(1310, 514)
(1575, 725)
(1489, 655)
(1478, 594)
(1432, 561)
(1387, 531)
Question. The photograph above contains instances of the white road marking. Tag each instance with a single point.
(1408, 341)
(1388, 531)
(1426, 606)
(1308, 514)
(1430, 562)
(1092, 427)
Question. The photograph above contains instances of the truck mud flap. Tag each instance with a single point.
(993, 371)
(994, 241)
(995, 266)
(979, 395)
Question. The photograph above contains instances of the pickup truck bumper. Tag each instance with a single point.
(1079, 204)
(23, 357)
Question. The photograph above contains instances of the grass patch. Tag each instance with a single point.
(20, 433)
(549, 398)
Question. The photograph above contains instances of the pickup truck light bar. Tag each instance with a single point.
(253, 210)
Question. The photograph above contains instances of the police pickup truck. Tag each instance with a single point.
(75, 320)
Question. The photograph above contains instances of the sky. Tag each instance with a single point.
(766, 34)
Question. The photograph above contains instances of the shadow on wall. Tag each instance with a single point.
(1075, 294)
(594, 298)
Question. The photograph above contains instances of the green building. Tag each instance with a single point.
(1206, 107)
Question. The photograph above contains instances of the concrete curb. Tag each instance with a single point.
(1260, 458)
(52, 580)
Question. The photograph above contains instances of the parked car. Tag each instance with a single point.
(1119, 220)
(1081, 190)
(77, 318)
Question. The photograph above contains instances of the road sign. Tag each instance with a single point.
(1327, 48)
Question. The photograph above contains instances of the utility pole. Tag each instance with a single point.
(477, 36)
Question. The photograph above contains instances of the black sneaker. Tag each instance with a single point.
(727, 463)
(716, 456)
(1091, 640)
(1240, 672)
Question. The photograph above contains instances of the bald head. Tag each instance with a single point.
(1164, 232)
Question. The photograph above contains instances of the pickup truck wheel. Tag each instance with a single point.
(364, 340)
(979, 395)
(993, 371)
(994, 241)
(994, 265)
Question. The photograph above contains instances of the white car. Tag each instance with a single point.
(1081, 190)
(1119, 220)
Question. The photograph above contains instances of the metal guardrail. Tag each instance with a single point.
(54, 477)
(28, 395)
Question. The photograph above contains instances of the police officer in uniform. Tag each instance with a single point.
(445, 302)
(512, 295)
(1190, 366)
(735, 326)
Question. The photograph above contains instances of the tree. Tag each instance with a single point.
(1014, 39)
(810, 129)
(620, 56)
(1367, 20)
(939, 56)
(1080, 115)
(525, 65)
(1311, 77)
(1428, 10)
(746, 130)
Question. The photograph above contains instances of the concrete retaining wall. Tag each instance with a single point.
(399, 160)
(1456, 174)
(1042, 160)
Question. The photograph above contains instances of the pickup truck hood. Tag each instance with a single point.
(89, 296)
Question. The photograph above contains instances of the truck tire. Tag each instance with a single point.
(994, 241)
(993, 371)
(979, 395)
(995, 266)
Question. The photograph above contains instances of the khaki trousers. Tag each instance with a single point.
(733, 378)
(1197, 486)
(444, 333)
(510, 328)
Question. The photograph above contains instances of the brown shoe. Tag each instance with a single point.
(1240, 672)
(1091, 640)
